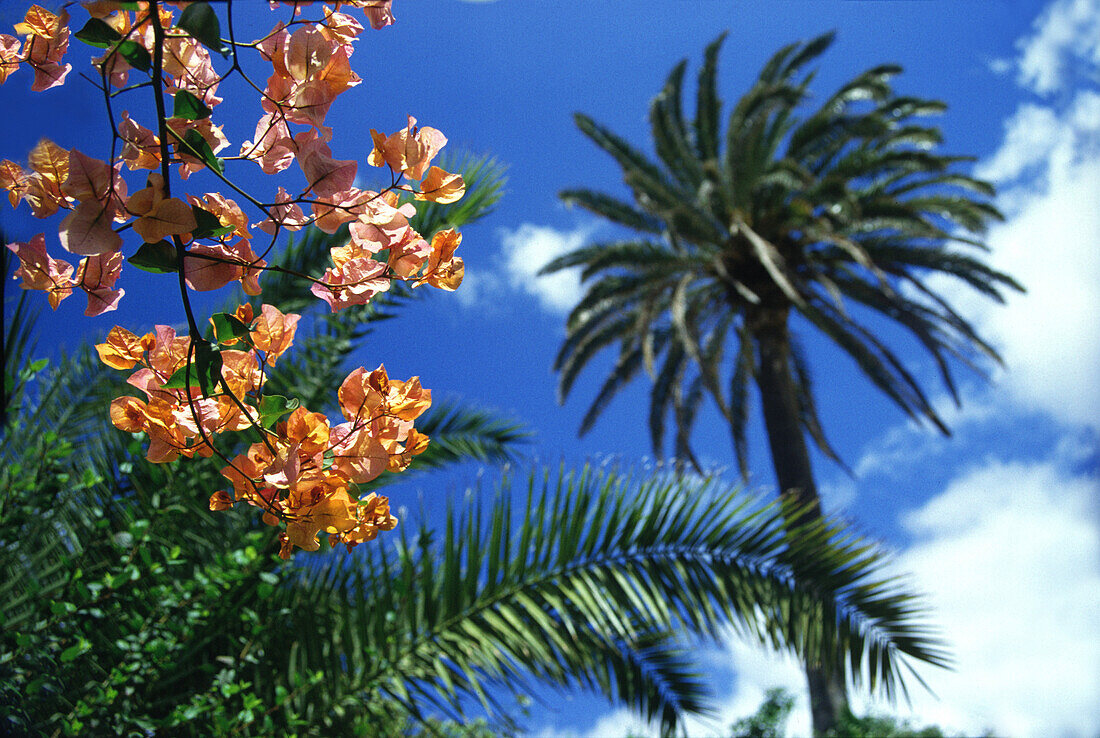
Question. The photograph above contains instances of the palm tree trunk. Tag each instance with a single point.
(794, 474)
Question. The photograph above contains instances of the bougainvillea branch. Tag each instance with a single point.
(301, 470)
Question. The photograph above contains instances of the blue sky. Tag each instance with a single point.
(999, 524)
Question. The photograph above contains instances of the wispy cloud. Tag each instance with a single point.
(1065, 43)
(528, 248)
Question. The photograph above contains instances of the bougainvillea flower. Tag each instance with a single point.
(220, 500)
(47, 41)
(121, 350)
(97, 275)
(158, 216)
(356, 282)
(326, 176)
(128, 414)
(341, 27)
(415, 444)
(93, 180)
(445, 270)
(10, 55)
(14, 180)
(442, 187)
(333, 514)
(358, 397)
(307, 52)
(284, 214)
(358, 455)
(87, 230)
(273, 148)
(273, 331)
(272, 47)
(372, 516)
(378, 12)
(408, 254)
(169, 351)
(227, 211)
(308, 431)
(141, 147)
(343, 207)
(241, 371)
(40, 272)
(409, 151)
(381, 223)
(42, 187)
(212, 266)
(405, 400)
(188, 63)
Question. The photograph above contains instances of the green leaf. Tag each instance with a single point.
(73, 652)
(197, 146)
(208, 224)
(62, 608)
(189, 107)
(201, 22)
(158, 258)
(273, 407)
(227, 327)
(204, 372)
(135, 55)
(27, 373)
(97, 33)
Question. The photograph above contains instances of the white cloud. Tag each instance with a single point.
(620, 722)
(1030, 136)
(837, 494)
(1050, 337)
(528, 248)
(1065, 43)
(1048, 167)
(1010, 555)
(477, 287)
(907, 445)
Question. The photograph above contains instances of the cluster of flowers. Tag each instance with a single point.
(303, 472)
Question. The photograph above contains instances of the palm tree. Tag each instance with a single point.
(815, 218)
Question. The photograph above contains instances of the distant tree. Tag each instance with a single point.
(769, 720)
(788, 218)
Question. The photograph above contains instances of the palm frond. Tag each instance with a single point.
(613, 209)
(708, 104)
(604, 569)
(461, 432)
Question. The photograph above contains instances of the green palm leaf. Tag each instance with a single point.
(603, 570)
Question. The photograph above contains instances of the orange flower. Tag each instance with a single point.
(157, 216)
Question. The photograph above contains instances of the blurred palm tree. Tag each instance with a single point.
(819, 218)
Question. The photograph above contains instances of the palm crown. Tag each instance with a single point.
(847, 205)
